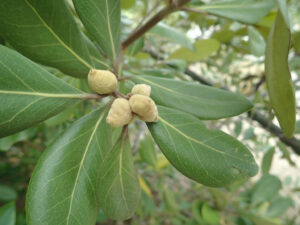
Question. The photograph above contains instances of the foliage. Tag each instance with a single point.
(203, 61)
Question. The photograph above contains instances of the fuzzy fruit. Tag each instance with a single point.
(102, 81)
(144, 107)
(142, 89)
(120, 113)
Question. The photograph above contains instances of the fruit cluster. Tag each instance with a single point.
(123, 110)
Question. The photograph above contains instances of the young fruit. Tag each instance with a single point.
(144, 107)
(142, 89)
(102, 81)
(120, 113)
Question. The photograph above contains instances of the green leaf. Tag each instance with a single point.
(257, 43)
(136, 46)
(284, 11)
(278, 77)
(127, 4)
(95, 55)
(102, 20)
(267, 161)
(200, 100)
(7, 193)
(148, 152)
(7, 142)
(45, 31)
(210, 157)
(28, 93)
(119, 190)
(172, 34)
(210, 215)
(203, 50)
(265, 189)
(245, 11)
(278, 206)
(8, 214)
(63, 187)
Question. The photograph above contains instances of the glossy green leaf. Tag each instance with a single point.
(119, 190)
(28, 93)
(102, 20)
(245, 11)
(63, 187)
(210, 157)
(7, 193)
(172, 34)
(267, 161)
(257, 43)
(265, 189)
(8, 214)
(278, 77)
(200, 100)
(45, 31)
(203, 49)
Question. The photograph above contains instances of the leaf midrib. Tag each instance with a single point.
(81, 166)
(197, 141)
(42, 94)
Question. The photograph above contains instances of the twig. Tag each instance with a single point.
(160, 15)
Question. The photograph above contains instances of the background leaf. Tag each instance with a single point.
(257, 43)
(62, 189)
(267, 161)
(245, 11)
(172, 34)
(45, 31)
(200, 100)
(119, 190)
(28, 93)
(8, 214)
(203, 49)
(102, 20)
(210, 157)
(278, 77)
(7, 193)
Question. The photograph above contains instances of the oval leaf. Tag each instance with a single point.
(62, 189)
(245, 11)
(210, 157)
(257, 43)
(119, 189)
(203, 49)
(45, 31)
(28, 93)
(8, 214)
(102, 20)
(200, 100)
(278, 77)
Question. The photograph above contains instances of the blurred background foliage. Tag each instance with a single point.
(187, 46)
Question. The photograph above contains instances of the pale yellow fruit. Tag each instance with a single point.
(142, 89)
(144, 107)
(102, 81)
(120, 113)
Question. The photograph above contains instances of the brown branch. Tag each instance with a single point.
(172, 7)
